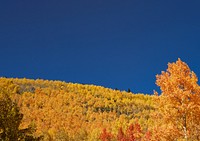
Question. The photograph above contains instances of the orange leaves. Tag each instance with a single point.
(105, 136)
(77, 111)
(177, 78)
(74, 110)
(178, 102)
(133, 133)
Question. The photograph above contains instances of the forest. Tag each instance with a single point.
(62, 111)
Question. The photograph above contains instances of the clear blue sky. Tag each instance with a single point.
(112, 43)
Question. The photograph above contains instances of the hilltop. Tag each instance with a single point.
(75, 111)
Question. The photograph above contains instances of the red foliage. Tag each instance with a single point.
(133, 133)
(121, 136)
(147, 136)
(105, 136)
(130, 133)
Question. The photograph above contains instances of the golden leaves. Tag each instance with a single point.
(74, 110)
(179, 102)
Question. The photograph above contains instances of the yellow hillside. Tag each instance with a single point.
(76, 111)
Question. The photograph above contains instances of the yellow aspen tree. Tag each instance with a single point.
(179, 104)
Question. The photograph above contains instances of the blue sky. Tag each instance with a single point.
(112, 43)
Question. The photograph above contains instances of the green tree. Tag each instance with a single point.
(10, 119)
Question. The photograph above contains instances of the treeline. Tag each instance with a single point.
(56, 110)
(74, 111)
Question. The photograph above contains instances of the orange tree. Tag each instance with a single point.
(179, 103)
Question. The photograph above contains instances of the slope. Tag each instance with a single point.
(60, 110)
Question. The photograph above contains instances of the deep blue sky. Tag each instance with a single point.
(112, 43)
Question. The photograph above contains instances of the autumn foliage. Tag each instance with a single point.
(10, 120)
(65, 111)
(179, 111)
(132, 133)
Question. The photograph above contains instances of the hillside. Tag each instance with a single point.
(67, 111)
